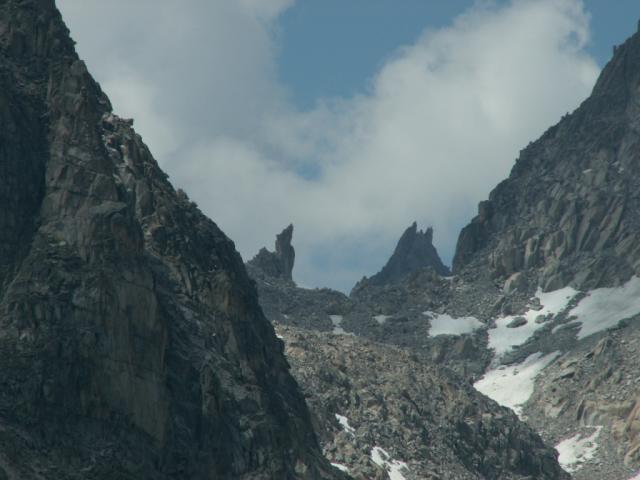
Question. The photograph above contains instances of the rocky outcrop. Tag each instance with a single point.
(393, 313)
(414, 251)
(595, 387)
(282, 300)
(569, 211)
(367, 396)
(132, 344)
(278, 264)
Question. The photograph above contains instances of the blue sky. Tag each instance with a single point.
(333, 47)
(348, 118)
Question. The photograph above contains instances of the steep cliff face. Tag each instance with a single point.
(131, 341)
(569, 211)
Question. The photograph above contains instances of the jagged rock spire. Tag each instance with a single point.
(285, 252)
(278, 264)
(414, 251)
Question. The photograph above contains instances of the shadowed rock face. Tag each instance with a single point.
(570, 210)
(131, 340)
(278, 264)
(414, 251)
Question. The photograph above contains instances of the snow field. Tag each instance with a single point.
(511, 386)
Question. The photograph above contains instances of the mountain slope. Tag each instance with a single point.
(132, 343)
(384, 405)
(555, 249)
(402, 398)
(568, 213)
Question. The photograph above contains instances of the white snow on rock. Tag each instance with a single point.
(443, 324)
(340, 467)
(337, 321)
(381, 318)
(575, 451)
(511, 386)
(502, 339)
(393, 467)
(344, 423)
(603, 308)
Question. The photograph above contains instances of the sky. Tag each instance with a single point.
(348, 118)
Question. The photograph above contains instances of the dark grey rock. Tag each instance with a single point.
(517, 322)
(132, 344)
(278, 264)
(414, 251)
(569, 211)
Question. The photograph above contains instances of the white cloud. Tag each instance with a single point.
(439, 125)
(266, 9)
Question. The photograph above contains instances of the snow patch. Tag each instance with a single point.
(340, 467)
(502, 339)
(344, 423)
(443, 324)
(336, 320)
(393, 467)
(381, 318)
(603, 308)
(511, 386)
(575, 451)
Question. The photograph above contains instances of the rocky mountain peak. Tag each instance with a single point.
(285, 251)
(278, 264)
(618, 81)
(569, 211)
(414, 251)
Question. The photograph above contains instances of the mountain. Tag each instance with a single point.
(413, 252)
(568, 213)
(541, 312)
(556, 250)
(132, 342)
(404, 397)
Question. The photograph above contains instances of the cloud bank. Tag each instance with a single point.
(426, 139)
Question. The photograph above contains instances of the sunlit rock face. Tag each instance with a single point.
(568, 213)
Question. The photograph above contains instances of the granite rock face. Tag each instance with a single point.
(132, 344)
(282, 300)
(278, 264)
(569, 211)
(414, 251)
